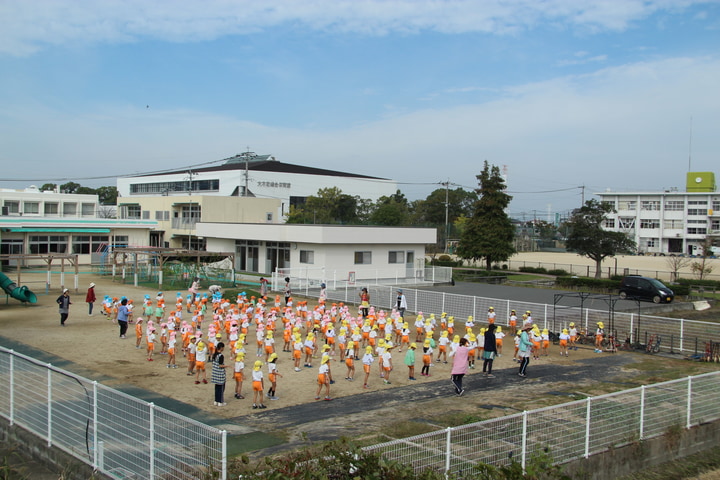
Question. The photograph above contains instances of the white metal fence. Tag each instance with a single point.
(307, 280)
(677, 335)
(568, 431)
(115, 433)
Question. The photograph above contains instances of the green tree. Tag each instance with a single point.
(489, 232)
(586, 236)
(329, 206)
(391, 210)
(48, 187)
(86, 190)
(69, 187)
(107, 195)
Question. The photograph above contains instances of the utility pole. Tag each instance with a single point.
(447, 206)
(191, 213)
(247, 156)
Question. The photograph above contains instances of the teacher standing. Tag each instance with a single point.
(122, 317)
(64, 306)
(460, 365)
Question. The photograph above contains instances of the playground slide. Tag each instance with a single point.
(18, 293)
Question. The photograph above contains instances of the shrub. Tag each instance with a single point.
(558, 272)
(526, 269)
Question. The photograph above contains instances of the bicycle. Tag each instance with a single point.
(653, 345)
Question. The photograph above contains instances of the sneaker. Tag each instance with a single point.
(254, 406)
(332, 382)
(215, 404)
(365, 386)
(237, 396)
(204, 380)
(386, 382)
(317, 398)
(174, 366)
(150, 360)
(197, 382)
(521, 375)
(274, 398)
(262, 406)
(490, 375)
(411, 378)
(167, 366)
(461, 392)
(327, 399)
(221, 404)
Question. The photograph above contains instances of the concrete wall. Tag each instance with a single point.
(640, 455)
(52, 458)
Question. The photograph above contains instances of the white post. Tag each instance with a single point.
(223, 473)
(443, 301)
(587, 429)
(448, 432)
(546, 316)
(96, 456)
(682, 332)
(49, 405)
(632, 328)
(688, 421)
(523, 448)
(12, 387)
(152, 441)
(642, 411)
(160, 277)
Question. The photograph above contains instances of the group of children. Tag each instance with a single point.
(194, 327)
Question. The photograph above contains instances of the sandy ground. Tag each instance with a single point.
(93, 343)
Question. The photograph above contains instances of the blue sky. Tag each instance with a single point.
(565, 93)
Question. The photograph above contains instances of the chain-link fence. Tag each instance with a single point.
(115, 433)
(568, 431)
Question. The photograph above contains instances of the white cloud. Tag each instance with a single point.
(27, 26)
(622, 127)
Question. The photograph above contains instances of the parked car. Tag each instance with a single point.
(645, 288)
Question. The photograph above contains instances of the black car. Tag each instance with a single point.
(645, 288)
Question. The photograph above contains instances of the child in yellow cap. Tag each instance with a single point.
(564, 339)
(427, 358)
(272, 375)
(367, 361)
(238, 374)
(410, 361)
(323, 378)
(258, 385)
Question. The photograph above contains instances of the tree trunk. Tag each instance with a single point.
(488, 263)
(598, 272)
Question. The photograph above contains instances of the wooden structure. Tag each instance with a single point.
(159, 256)
(48, 258)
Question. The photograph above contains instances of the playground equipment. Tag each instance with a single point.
(19, 293)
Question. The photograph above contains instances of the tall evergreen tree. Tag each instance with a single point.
(489, 233)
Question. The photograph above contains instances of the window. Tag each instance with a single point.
(88, 209)
(650, 205)
(122, 240)
(31, 208)
(363, 258)
(627, 205)
(652, 242)
(674, 205)
(396, 257)
(11, 246)
(268, 217)
(715, 225)
(716, 204)
(610, 203)
(162, 215)
(12, 206)
(69, 208)
(701, 222)
(48, 243)
(609, 223)
(673, 224)
(697, 202)
(146, 214)
(85, 244)
(696, 211)
(649, 223)
(307, 256)
(626, 222)
(51, 208)
(696, 231)
(132, 212)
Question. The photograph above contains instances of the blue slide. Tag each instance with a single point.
(18, 293)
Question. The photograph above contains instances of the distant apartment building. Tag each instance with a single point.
(671, 221)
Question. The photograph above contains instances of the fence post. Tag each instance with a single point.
(642, 411)
(152, 440)
(682, 333)
(223, 474)
(49, 404)
(523, 449)
(96, 458)
(12, 387)
(632, 329)
(587, 429)
(688, 423)
(448, 432)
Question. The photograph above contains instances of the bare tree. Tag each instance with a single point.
(675, 264)
(700, 269)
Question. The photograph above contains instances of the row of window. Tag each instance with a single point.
(212, 185)
(670, 205)
(629, 223)
(79, 244)
(49, 208)
(365, 258)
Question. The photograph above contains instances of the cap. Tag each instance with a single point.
(65, 290)
(257, 366)
(92, 285)
(399, 290)
(272, 357)
(414, 345)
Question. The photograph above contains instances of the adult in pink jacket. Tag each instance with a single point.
(460, 365)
